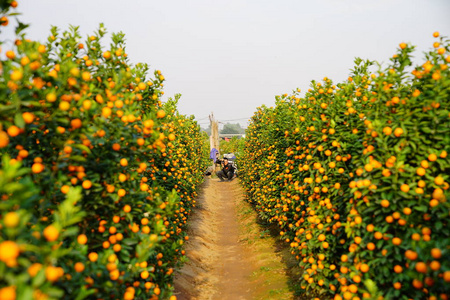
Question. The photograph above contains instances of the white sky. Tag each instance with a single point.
(229, 57)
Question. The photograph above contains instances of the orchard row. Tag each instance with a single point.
(356, 177)
(97, 176)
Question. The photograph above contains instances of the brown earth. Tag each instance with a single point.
(229, 255)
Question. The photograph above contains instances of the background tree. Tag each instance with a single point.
(232, 129)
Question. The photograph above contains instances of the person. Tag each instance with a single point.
(226, 172)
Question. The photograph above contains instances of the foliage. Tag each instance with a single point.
(356, 176)
(234, 145)
(232, 129)
(97, 177)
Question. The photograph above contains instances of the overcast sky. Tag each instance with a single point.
(229, 57)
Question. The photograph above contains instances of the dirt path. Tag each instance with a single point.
(228, 257)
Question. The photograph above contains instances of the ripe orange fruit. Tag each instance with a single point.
(402, 45)
(127, 208)
(11, 219)
(82, 239)
(124, 162)
(9, 251)
(65, 189)
(398, 132)
(396, 241)
(364, 268)
(51, 233)
(446, 276)
(404, 188)
(436, 253)
(439, 180)
(398, 269)
(121, 192)
(387, 130)
(34, 269)
(13, 131)
(76, 123)
(93, 256)
(37, 168)
(432, 157)
(417, 284)
(87, 184)
(53, 273)
(10, 54)
(8, 293)
(435, 265)
(420, 171)
(4, 139)
(421, 267)
(79, 267)
(160, 114)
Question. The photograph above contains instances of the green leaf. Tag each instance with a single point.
(19, 121)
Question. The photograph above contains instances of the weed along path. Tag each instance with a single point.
(229, 255)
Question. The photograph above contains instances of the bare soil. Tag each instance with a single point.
(229, 255)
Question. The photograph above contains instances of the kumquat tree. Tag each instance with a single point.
(97, 175)
(356, 177)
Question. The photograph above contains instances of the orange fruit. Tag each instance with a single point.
(4, 139)
(93, 256)
(432, 157)
(127, 208)
(398, 269)
(51, 233)
(446, 276)
(9, 251)
(65, 189)
(121, 192)
(34, 269)
(396, 241)
(435, 265)
(439, 180)
(420, 171)
(82, 239)
(13, 131)
(37, 168)
(87, 184)
(10, 54)
(79, 267)
(53, 273)
(124, 162)
(404, 188)
(417, 284)
(76, 123)
(421, 267)
(436, 253)
(364, 268)
(398, 132)
(160, 114)
(8, 293)
(11, 219)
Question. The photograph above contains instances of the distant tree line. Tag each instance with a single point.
(228, 128)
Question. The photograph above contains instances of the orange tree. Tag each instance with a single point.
(97, 177)
(355, 176)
